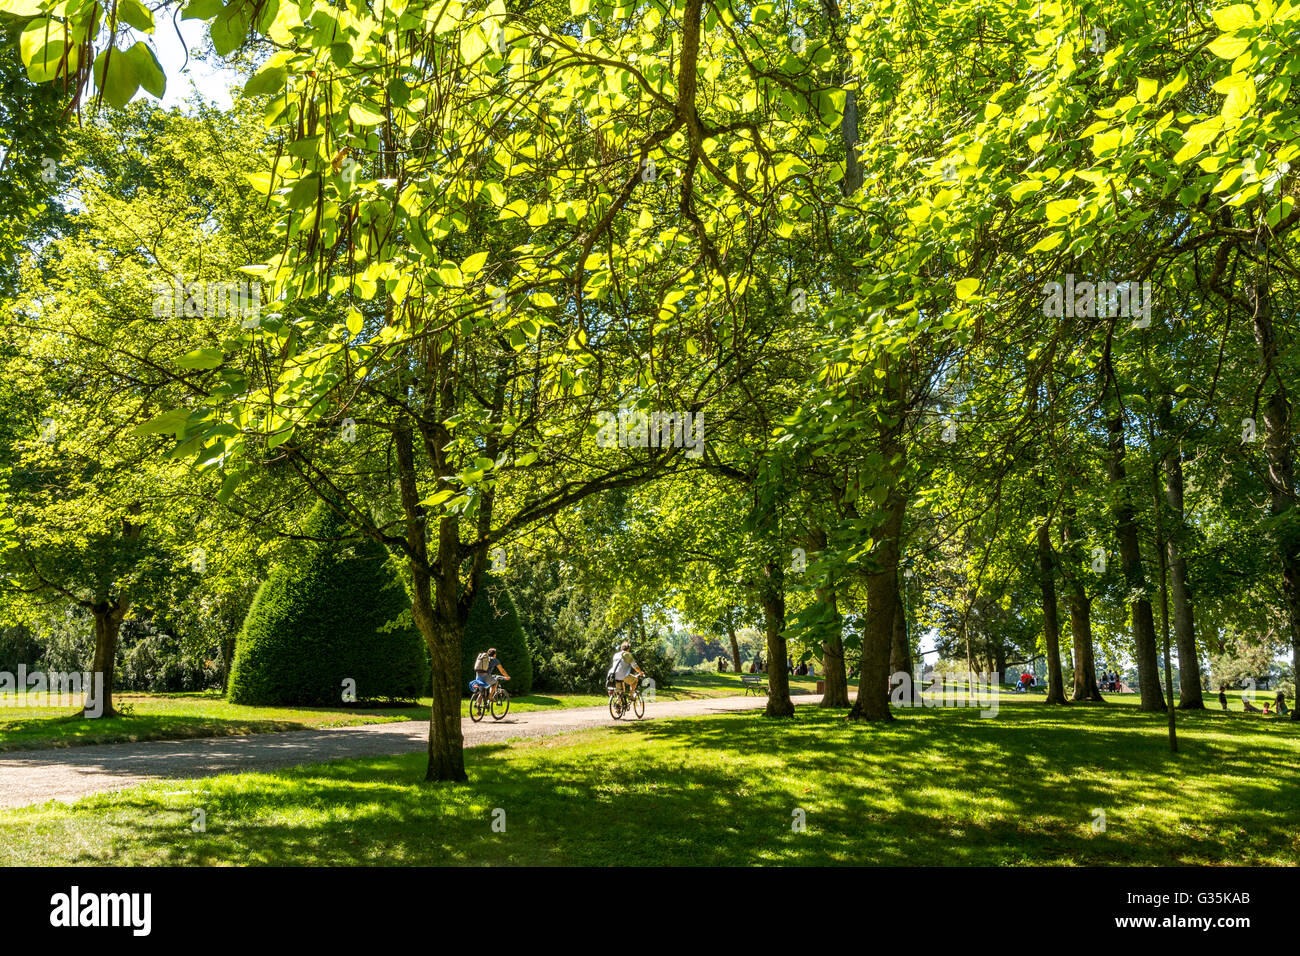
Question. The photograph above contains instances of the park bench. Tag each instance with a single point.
(753, 683)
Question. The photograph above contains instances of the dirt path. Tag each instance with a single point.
(70, 773)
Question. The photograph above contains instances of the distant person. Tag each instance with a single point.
(1267, 712)
(789, 665)
(722, 665)
(1223, 698)
(624, 665)
(812, 669)
(484, 664)
(1247, 706)
(753, 666)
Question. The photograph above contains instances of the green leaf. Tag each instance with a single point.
(266, 80)
(967, 288)
(229, 30)
(201, 9)
(1021, 190)
(1229, 47)
(228, 486)
(21, 8)
(172, 422)
(134, 13)
(1233, 18)
(41, 46)
(438, 498)
(304, 192)
(204, 358)
(146, 68)
(364, 116)
(474, 264)
(115, 77)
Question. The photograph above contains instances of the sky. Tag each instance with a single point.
(209, 79)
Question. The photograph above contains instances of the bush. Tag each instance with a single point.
(494, 622)
(335, 611)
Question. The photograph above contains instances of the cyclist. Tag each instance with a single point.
(484, 664)
(623, 667)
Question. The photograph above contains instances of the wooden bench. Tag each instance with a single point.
(754, 684)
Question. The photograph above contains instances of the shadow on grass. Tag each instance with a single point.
(934, 787)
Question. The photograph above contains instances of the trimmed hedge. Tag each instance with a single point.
(494, 622)
(336, 611)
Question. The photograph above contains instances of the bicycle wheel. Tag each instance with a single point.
(616, 705)
(477, 708)
(501, 702)
(638, 704)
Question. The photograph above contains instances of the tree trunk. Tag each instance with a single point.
(779, 703)
(900, 649)
(1281, 464)
(833, 671)
(735, 645)
(1051, 625)
(1130, 551)
(108, 617)
(227, 651)
(878, 630)
(1085, 663)
(440, 622)
(1189, 662)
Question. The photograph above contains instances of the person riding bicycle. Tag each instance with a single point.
(484, 664)
(624, 665)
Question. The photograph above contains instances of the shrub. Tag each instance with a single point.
(494, 622)
(335, 611)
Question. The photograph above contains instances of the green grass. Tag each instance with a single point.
(184, 716)
(171, 717)
(937, 786)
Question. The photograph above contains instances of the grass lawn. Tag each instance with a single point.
(182, 716)
(937, 786)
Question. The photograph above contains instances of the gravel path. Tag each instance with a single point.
(70, 773)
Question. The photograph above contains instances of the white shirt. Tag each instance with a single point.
(623, 664)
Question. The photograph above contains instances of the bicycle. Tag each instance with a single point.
(619, 701)
(495, 698)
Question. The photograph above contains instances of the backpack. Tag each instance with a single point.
(481, 662)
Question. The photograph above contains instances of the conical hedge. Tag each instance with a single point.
(494, 622)
(334, 612)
